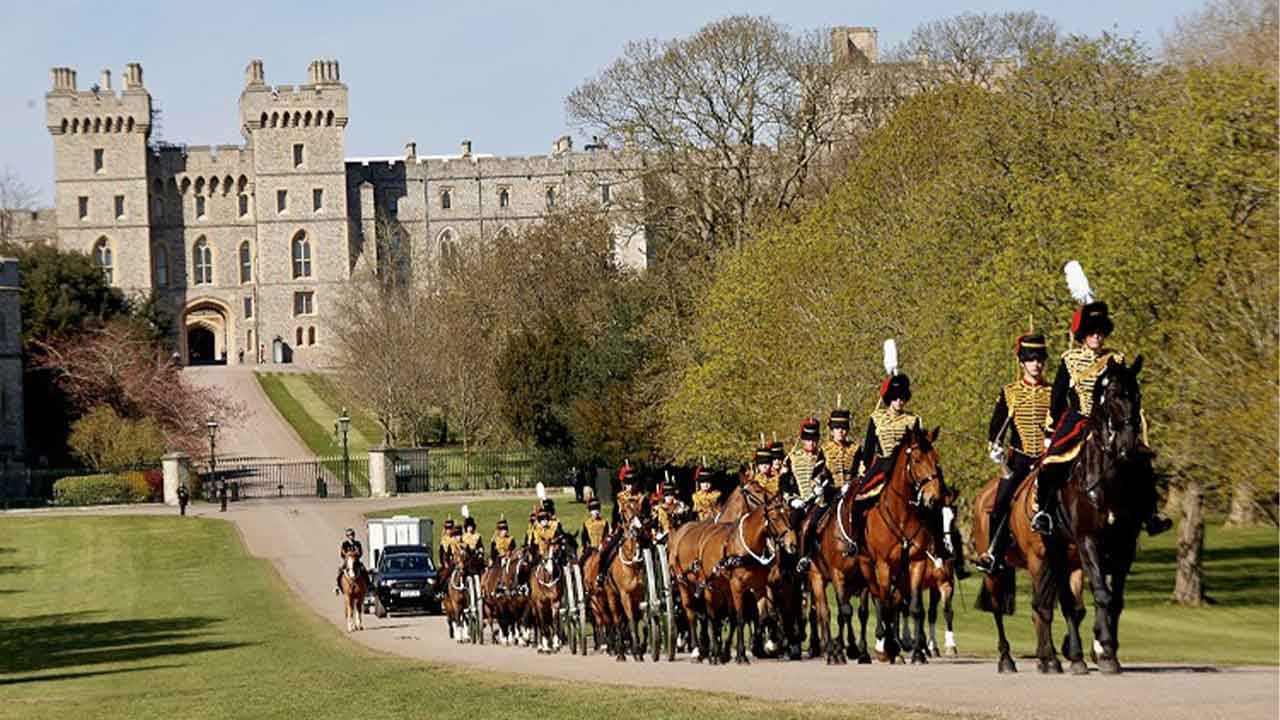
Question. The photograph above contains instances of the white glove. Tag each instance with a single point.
(797, 503)
(996, 453)
(946, 542)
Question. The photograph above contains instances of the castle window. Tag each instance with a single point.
(282, 201)
(98, 160)
(160, 258)
(299, 338)
(301, 256)
(297, 155)
(605, 194)
(83, 205)
(317, 199)
(102, 258)
(551, 196)
(246, 263)
(119, 207)
(159, 203)
(504, 198)
(304, 304)
(446, 199)
(244, 205)
(200, 206)
(392, 204)
(202, 261)
(248, 307)
(311, 335)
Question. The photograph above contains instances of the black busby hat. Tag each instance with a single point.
(549, 505)
(629, 474)
(502, 522)
(542, 513)
(1031, 347)
(448, 522)
(764, 455)
(810, 429)
(469, 523)
(593, 504)
(1091, 318)
(893, 388)
(777, 450)
(839, 419)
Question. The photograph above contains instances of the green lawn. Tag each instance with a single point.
(164, 617)
(1243, 626)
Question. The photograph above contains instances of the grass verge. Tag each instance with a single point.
(162, 617)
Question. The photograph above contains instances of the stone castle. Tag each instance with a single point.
(250, 244)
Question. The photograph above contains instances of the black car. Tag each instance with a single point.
(405, 580)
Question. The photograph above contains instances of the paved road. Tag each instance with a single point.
(261, 432)
(301, 538)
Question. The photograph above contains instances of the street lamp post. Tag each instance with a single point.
(211, 425)
(344, 426)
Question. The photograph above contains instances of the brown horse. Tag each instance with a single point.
(939, 581)
(595, 597)
(625, 591)
(456, 600)
(728, 565)
(1029, 552)
(355, 584)
(503, 586)
(899, 540)
(836, 564)
(546, 595)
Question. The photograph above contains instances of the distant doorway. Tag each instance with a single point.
(200, 347)
(207, 336)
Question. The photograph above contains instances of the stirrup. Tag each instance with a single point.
(803, 564)
(1042, 523)
(987, 564)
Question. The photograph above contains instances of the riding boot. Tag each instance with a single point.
(337, 583)
(806, 539)
(992, 561)
(1157, 523)
(1046, 501)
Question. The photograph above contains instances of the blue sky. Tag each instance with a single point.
(432, 72)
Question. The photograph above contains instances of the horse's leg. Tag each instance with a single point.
(1044, 581)
(738, 620)
(949, 640)
(1005, 663)
(822, 611)
(845, 643)
(917, 614)
(1120, 561)
(864, 612)
(1071, 646)
(1104, 642)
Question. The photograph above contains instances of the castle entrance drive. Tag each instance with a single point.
(206, 333)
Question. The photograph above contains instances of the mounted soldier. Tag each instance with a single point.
(448, 542)
(626, 504)
(670, 509)
(470, 539)
(594, 528)
(840, 452)
(706, 500)
(778, 462)
(502, 541)
(1071, 402)
(764, 473)
(1022, 409)
(349, 544)
(807, 482)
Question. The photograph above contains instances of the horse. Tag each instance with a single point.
(546, 593)
(898, 539)
(939, 581)
(1108, 493)
(594, 597)
(456, 601)
(836, 564)
(503, 585)
(728, 565)
(625, 590)
(355, 584)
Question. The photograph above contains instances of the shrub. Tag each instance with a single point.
(104, 439)
(101, 489)
(155, 484)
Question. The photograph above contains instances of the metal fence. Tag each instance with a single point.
(255, 478)
(34, 487)
(453, 469)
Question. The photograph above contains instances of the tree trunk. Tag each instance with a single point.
(1188, 586)
(1244, 511)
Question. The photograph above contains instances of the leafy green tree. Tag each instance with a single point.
(105, 441)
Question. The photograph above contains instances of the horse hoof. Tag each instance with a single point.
(918, 658)
(1006, 665)
(864, 659)
(1079, 668)
(742, 660)
(953, 651)
(1049, 667)
(1109, 666)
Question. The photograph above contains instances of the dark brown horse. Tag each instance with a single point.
(505, 586)
(899, 540)
(836, 564)
(546, 594)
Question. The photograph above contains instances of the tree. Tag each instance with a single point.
(15, 197)
(978, 48)
(732, 120)
(106, 441)
(1226, 32)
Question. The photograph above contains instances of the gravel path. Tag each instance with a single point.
(301, 538)
(262, 432)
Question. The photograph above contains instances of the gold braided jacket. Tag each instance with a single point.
(840, 459)
(471, 541)
(803, 466)
(1028, 409)
(595, 530)
(706, 503)
(891, 428)
(626, 501)
(503, 543)
(547, 534)
(1084, 366)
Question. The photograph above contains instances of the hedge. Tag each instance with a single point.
(101, 489)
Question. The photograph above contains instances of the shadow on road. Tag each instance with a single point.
(60, 640)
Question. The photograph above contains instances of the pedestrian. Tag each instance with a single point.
(184, 497)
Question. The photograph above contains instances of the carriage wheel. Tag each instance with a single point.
(582, 607)
(668, 605)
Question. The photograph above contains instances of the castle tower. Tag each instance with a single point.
(296, 135)
(100, 161)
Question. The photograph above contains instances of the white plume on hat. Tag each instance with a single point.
(891, 357)
(541, 490)
(1078, 283)
(466, 512)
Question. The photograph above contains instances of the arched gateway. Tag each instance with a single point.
(207, 337)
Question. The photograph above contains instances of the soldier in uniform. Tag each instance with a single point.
(594, 528)
(1022, 409)
(625, 505)
(471, 539)
(349, 543)
(184, 497)
(808, 480)
(706, 501)
(502, 540)
(840, 452)
(670, 510)
(447, 543)
(778, 458)
(764, 473)
(548, 530)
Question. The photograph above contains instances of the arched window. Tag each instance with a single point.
(505, 234)
(504, 198)
(311, 335)
(202, 262)
(551, 196)
(160, 258)
(103, 259)
(301, 256)
(446, 199)
(246, 263)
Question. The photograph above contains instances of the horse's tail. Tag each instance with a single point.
(1002, 593)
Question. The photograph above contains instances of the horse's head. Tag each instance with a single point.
(923, 470)
(777, 519)
(1117, 408)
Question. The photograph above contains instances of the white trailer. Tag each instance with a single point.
(398, 530)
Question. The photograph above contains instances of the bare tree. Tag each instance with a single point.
(16, 198)
(734, 119)
(1244, 32)
(977, 48)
